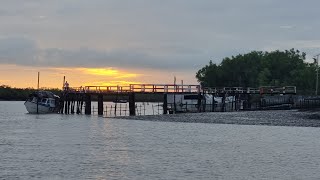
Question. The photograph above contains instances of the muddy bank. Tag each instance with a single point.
(270, 118)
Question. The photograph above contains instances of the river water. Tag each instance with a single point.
(90, 147)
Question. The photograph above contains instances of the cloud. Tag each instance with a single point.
(111, 83)
(167, 35)
(3, 81)
(108, 72)
(22, 51)
(13, 50)
(286, 27)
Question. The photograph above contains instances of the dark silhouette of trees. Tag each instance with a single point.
(257, 68)
(18, 94)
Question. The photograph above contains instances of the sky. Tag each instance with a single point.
(121, 42)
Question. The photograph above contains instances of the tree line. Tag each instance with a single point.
(8, 93)
(257, 68)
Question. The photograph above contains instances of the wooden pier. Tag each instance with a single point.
(74, 99)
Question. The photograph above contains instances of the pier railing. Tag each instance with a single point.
(139, 88)
(171, 88)
(249, 90)
(240, 90)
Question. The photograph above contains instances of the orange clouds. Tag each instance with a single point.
(98, 76)
(109, 72)
(26, 76)
(110, 83)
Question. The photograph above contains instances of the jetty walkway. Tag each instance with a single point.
(73, 99)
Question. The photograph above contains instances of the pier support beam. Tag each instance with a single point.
(66, 100)
(165, 104)
(249, 102)
(88, 104)
(69, 103)
(78, 104)
(61, 104)
(100, 104)
(204, 104)
(213, 103)
(72, 103)
(223, 107)
(199, 101)
(132, 104)
(236, 97)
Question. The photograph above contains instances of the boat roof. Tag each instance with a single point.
(44, 94)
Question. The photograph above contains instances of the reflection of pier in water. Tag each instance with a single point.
(74, 99)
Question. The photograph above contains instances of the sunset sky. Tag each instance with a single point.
(110, 42)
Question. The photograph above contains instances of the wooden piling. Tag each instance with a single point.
(81, 102)
(232, 102)
(165, 104)
(199, 101)
(223, 102)
(72, 103)
(236, 97)
(61, 104)
(213, 103)
(66, 104)
(204, 105)
(249, 101)
(88, 104)
(78, 104)
(132, 106)
(100, 104)
(69, 103)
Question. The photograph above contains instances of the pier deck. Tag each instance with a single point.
(76, 97)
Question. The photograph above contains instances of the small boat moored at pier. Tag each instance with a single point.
(42, 102)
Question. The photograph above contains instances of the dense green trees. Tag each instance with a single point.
(18, 94)
(257, 68)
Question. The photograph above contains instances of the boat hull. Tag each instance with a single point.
(32, 108)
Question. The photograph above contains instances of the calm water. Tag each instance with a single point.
(90, 147)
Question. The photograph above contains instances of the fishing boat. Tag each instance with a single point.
(42, 102)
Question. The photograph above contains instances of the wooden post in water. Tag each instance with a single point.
(165, 104)
(199, 101)
(115, 108)
(100, 104)
(72, 103)
(69, 103)
(78, 104)
(204, 104)
(88, 104)
(61, 104)
(204, 101)
(223, 102)
(213, 103)
(236, 102)
(249, 102)
(132, 106)
(66, 99)
(81, 103)
(232, 102)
